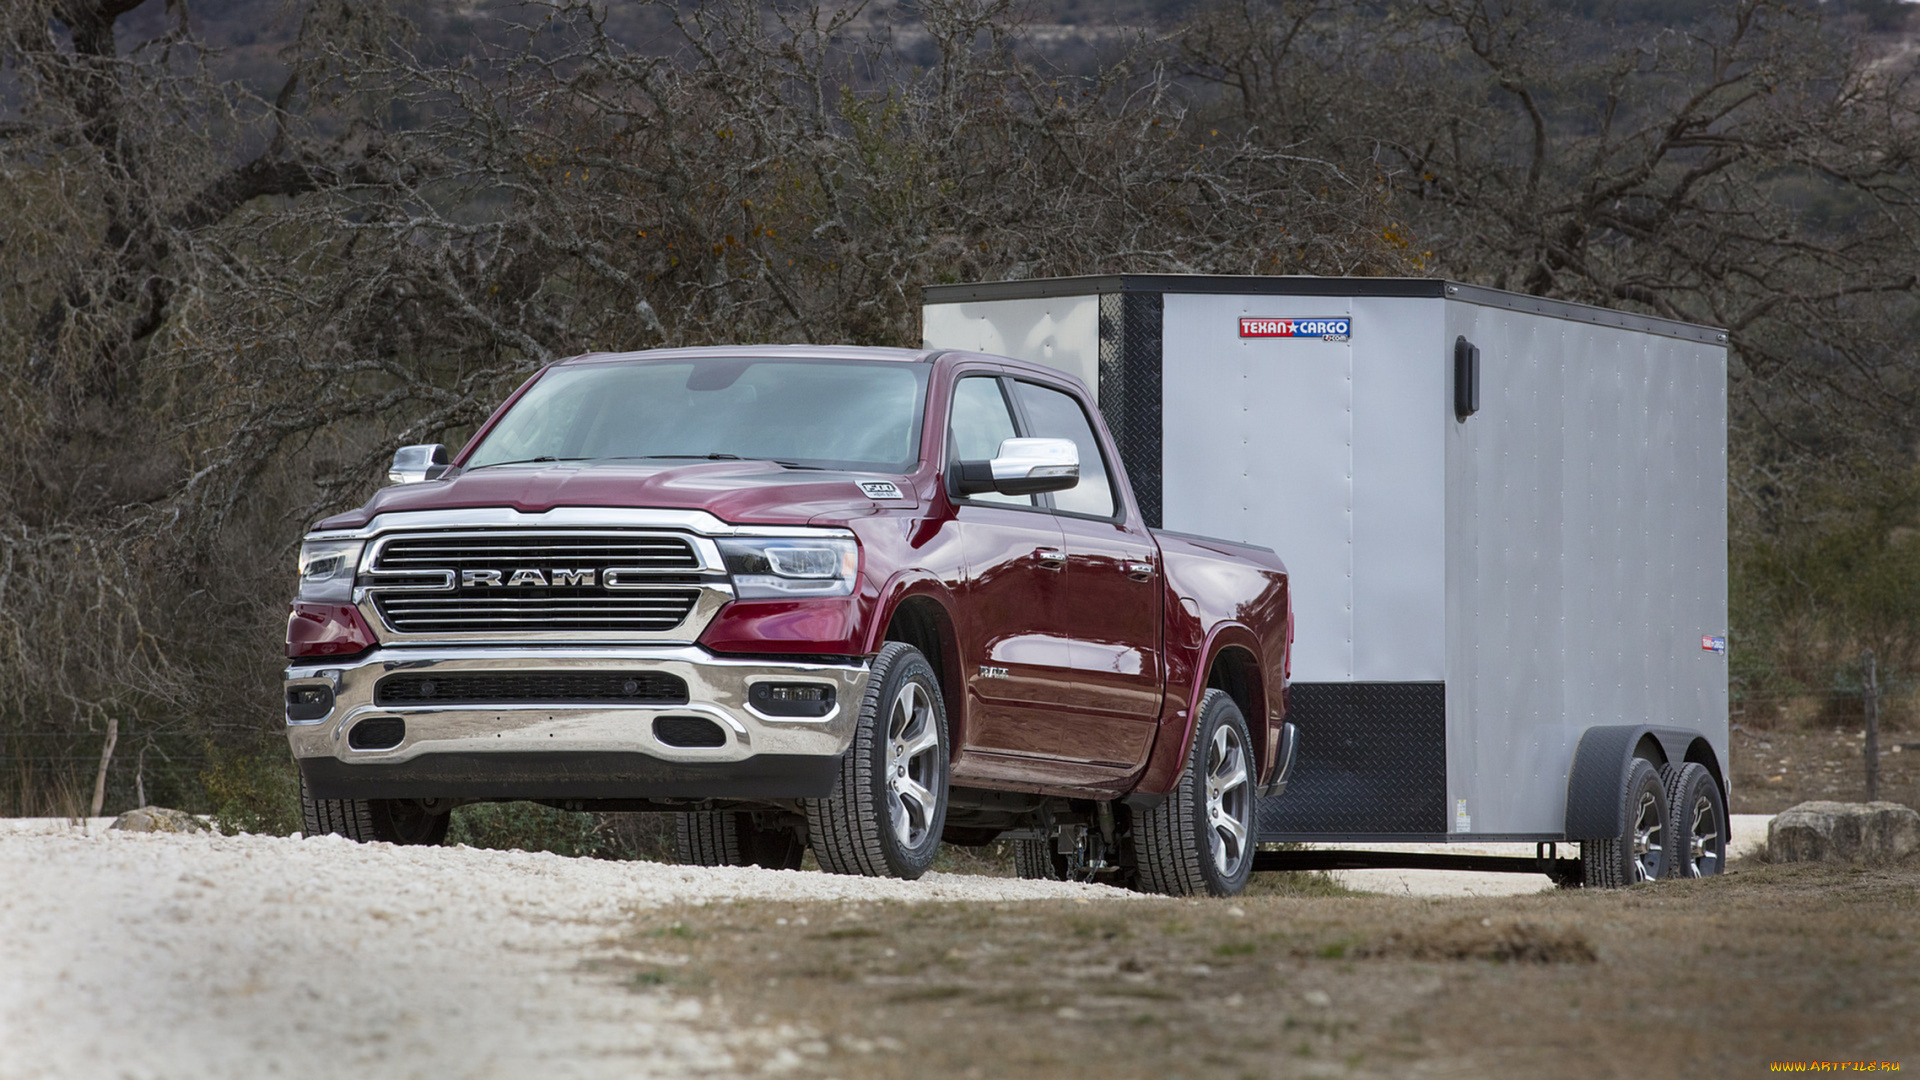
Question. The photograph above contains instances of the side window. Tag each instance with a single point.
(1055, 415)
(979, 421)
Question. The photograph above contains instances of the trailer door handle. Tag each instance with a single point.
(1050, 558)
(1140, 571)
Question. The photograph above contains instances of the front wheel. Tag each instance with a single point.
(734, 838)
(1640, 854)
(1201, 839)
(392, 821)
(889, 803)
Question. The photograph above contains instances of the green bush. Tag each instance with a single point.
(253, 789)
(525, 826)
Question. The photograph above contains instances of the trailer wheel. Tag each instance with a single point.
(889, 803)
(731, 838)
(1640, 854)
(1036, 860)
(1699, 847)
(390, 821)
(1201, 839)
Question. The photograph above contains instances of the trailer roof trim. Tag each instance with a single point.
(1251, 285)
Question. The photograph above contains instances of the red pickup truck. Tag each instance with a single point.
(858, 600)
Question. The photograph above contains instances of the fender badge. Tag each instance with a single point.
(880, 489)
(987, 672)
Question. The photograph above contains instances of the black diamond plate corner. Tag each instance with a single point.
(1372, 759)
(1130, 329)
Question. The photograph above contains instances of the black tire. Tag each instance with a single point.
(732, 838)
(391, 821)
(1035, 860)
(1699, 822)
(1180, 846)
(1642, 852)
(858, 828)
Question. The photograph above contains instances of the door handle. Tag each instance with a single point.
(1050, 558)
(1140, 571)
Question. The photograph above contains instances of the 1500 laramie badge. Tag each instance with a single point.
(857, 600)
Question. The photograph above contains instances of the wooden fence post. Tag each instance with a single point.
(1872, 749)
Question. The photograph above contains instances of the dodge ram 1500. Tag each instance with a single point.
(859, 600)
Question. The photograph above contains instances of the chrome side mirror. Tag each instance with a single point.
(412, 464)
(1024, 467)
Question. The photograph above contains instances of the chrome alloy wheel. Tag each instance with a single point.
(1702, 860)
(913, 760)
(1229, 801)
(1646, 838)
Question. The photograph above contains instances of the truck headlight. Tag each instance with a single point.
(770, 568)
(327, 568)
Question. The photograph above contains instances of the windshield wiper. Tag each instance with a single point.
(683, 457)
(524, 461)
(716, 457)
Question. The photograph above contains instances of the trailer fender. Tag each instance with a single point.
(1599, 773)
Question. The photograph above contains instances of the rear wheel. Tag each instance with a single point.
(1699, 827)
(392, 821)
(1641, 853)
(889, 804)
(1201, 839)
(1036, 860)
(733, 838)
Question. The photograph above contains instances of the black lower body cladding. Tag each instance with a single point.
(570, 775)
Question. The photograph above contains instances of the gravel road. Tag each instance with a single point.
(153, 955)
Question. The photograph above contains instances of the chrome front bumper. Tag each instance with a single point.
(592, 750)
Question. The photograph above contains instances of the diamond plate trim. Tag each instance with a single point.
(1372, 759)
(1130, 356)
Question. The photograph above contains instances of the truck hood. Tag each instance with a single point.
(737, 492)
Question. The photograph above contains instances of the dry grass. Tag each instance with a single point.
(1711, 978)
(1779, 767)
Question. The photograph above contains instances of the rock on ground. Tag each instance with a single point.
(1843, 832)
(158, 819)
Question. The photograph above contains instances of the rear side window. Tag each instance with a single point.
(980, 421)
(1055, 415)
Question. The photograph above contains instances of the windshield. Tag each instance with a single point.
(832, 414)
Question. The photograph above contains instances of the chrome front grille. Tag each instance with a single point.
(512, 550)
(511, 583)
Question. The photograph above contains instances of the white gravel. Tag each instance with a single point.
(154, 955)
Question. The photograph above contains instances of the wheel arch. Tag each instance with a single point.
(1232, 666)
(918, 612)
(1600, 766)
(1700, 752)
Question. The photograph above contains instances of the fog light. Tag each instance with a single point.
(309, 702)
(792, 699)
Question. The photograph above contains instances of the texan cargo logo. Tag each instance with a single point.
(1332, 329)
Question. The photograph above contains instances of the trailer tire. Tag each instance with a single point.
(889, 803)
(1699, 822)
(1201, 839)
(371, 821)
(731, 838)
(1642, 852)
(1035, 860)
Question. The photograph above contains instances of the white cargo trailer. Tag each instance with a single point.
(1504, 518)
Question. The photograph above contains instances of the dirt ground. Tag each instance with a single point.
(1710, 978)
(1776, 767)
